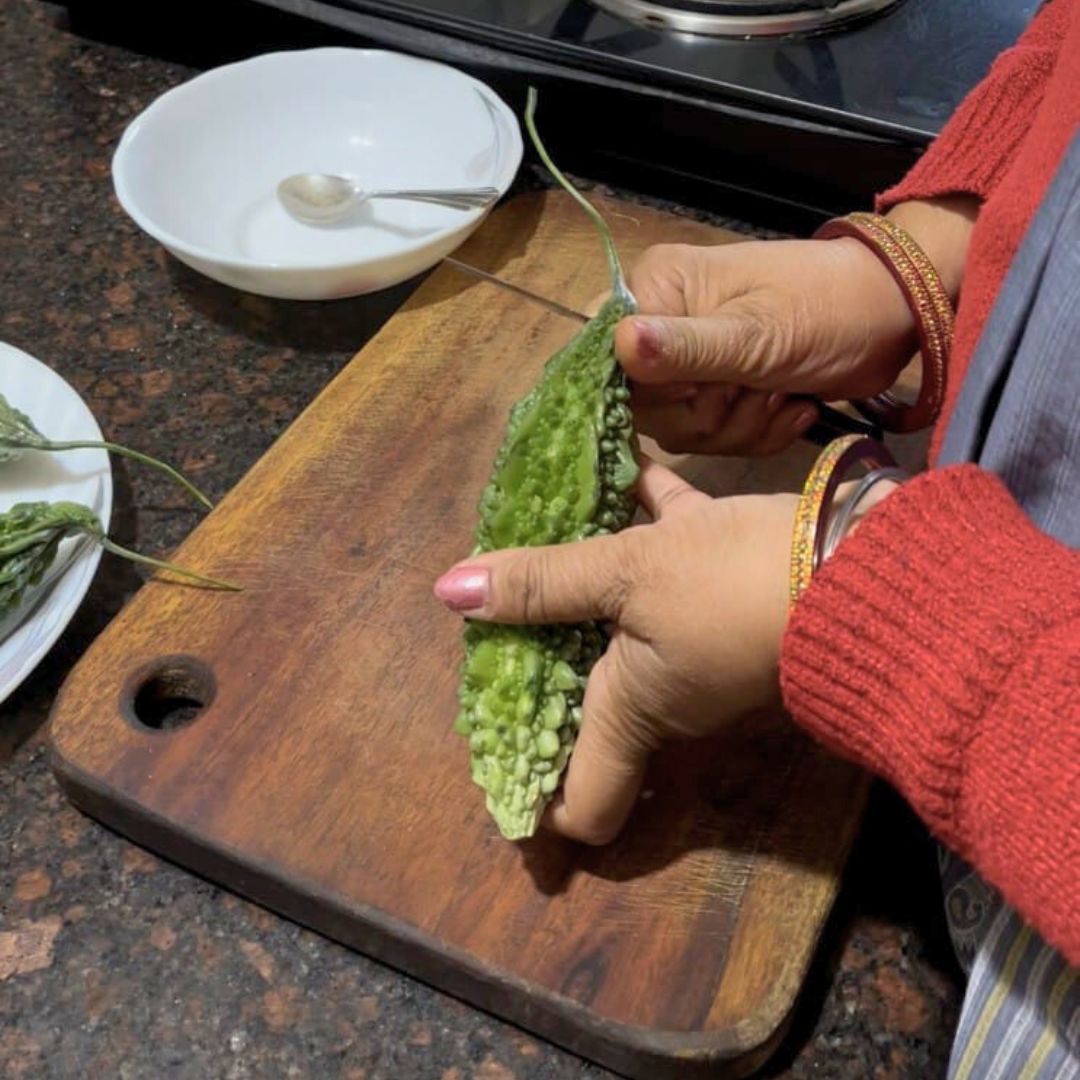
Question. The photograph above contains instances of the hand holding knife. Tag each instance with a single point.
(831, 423)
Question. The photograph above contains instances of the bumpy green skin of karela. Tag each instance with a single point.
(30, 536)
(566, 470)
(16, 432)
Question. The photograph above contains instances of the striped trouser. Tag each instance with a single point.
(1020, 1019)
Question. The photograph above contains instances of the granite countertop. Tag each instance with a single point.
(114, 963)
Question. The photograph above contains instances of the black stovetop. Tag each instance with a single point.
(899, 72)
(783, 130)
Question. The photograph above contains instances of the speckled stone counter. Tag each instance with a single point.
(115, 964)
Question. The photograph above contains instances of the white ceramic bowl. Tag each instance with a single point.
(198, 168)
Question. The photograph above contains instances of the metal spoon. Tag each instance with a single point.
(321, 198)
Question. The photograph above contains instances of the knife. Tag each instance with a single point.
(831, 423)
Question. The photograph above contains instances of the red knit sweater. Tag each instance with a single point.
(940, 647)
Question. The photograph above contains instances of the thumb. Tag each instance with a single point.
(730, 347)
(562, 583)
(606, 768)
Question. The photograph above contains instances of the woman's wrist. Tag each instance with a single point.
(929, 302)
(875, 292)
(942, 227)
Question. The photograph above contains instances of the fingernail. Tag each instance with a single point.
(772, 405)
(804, 419)
(649, 345)
(730, 394)
(464, 588)
(684, 392)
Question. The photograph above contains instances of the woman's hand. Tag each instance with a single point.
(698, 603)
(726, 333)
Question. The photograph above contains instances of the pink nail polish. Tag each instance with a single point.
(772, 405)
(805, 419)
(648, 340)
(464, 588)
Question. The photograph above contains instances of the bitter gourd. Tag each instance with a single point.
(566, 470)
(30, 537)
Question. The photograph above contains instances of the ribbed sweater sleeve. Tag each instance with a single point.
(978, 144)
(940, 648)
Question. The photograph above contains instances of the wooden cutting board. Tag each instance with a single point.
(317, 772)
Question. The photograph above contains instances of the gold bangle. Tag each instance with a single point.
(815, 502)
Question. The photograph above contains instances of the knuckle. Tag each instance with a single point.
(659, 277)
(593, 833)
(531, 590)
(664, 254)
(615, 590)
(672, 496)
(618, 570)
(518, 591)
(693, 347)
(763, 337)
(651, 263)
(651, 256)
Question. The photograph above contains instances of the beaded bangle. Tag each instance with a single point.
(815, 503)
(930, 305)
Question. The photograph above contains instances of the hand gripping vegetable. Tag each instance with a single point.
(566, 470)
(18, 433)
(30, 535)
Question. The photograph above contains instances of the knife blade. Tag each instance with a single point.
(543, 301)
(831, 423)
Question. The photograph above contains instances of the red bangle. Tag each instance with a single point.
(913, 272)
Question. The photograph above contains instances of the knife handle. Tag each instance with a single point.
(832, 424)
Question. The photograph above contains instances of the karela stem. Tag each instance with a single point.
(160, 564)
(135, 455)
(615, 270)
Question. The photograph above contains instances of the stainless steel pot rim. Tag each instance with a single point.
(761, 18)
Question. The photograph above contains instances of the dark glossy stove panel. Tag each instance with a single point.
(901, 72)
(782, 131)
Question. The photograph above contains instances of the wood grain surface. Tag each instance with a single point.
(322, 777)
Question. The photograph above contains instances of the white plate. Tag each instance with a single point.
(198, 169)
(81, 476)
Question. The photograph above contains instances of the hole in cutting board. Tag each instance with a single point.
(169, 694)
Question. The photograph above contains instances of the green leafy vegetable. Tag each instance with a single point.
(18, 433)
(31, 533)
(566, 470)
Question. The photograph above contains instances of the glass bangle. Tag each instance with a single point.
(815, 502)
(839, 523)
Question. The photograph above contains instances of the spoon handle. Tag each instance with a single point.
(460, 198)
